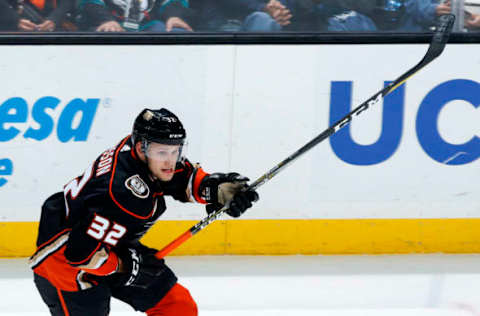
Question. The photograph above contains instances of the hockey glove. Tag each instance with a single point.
(141, 267)
(239, 204)
(219, 188)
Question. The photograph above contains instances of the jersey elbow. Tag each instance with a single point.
(100, 262)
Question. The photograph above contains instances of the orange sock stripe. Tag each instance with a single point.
(62, 301)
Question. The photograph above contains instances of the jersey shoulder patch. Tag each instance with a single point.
(130, 188)
(137, 186)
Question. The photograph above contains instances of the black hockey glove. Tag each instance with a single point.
(141, 267)
(219, 188)
(240, 203)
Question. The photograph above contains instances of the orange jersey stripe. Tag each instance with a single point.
(56, 270)
(62, 301)
(199, 175)
(115, 160)
(108, 267)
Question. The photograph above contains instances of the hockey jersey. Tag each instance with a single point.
(112, 204)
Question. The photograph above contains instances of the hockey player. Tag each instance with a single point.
(88, 247)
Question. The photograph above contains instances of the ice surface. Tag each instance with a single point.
(443, 285)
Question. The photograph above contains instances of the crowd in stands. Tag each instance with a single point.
(224, 15)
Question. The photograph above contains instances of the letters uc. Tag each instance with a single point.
(429, 137)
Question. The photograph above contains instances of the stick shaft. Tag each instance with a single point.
(436, 47)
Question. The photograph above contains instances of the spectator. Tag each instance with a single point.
(350, 21)
(441, 7)
(364, 7)
(310, 16)
(382, 15)
(301, 15)
(408, 15)
(8, 16)
(472, 21)
(131, 15)
(235, 15)
(36, 15)
(281, 12)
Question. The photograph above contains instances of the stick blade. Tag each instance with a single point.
(441, 35)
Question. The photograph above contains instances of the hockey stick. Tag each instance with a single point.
(437, 45)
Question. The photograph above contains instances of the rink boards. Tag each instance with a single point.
(402, 178)
(283, 237)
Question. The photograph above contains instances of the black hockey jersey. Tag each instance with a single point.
(111, 205)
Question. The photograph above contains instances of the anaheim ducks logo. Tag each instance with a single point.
(137, 186)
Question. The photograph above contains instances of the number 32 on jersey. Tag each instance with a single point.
(102, 230)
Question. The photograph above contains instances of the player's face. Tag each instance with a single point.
(162, 160)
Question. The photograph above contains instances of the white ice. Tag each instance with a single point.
(441, 285)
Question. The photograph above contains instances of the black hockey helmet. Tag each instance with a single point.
(159, 126)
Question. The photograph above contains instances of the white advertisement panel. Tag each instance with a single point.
(246, 108)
